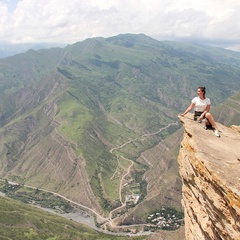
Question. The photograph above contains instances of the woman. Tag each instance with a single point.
(201, 105)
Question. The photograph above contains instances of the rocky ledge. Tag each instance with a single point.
(210, 171)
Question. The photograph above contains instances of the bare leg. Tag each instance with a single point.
(211, 120)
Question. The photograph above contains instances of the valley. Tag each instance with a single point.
(96, 122)
(104, 223)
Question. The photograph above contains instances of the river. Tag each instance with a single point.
(84, 218)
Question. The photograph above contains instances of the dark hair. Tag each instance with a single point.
(203, 90)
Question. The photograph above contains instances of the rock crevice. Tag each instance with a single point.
(210, 171)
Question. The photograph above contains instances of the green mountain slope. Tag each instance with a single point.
(19, 221)
(97, 120)
(228, 112)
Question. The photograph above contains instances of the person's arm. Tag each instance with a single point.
(188, 109)
(203, 114)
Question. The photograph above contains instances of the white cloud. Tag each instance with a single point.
(74, 20)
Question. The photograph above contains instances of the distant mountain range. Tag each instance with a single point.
(7, 50)
(96, 121)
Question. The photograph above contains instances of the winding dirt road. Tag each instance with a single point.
(100, 217)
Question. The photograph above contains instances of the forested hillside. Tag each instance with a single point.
(96, 121)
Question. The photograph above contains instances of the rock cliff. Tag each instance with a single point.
(210, 171)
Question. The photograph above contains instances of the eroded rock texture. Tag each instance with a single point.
(210, 170)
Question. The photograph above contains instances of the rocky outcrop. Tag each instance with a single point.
(210, 171)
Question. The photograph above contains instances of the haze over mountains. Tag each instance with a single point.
(7, 50)
(97, 120)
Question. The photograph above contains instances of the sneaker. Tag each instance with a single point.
(216, 132)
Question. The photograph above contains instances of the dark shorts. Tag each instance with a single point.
(197, 115)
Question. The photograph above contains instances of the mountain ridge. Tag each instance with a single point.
(69, 107)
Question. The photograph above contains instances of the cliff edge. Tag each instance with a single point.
(210, 171)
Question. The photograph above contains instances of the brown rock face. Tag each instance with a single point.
(210, 170)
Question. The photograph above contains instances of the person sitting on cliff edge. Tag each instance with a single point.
(201, 105)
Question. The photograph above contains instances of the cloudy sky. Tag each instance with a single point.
(69, 21)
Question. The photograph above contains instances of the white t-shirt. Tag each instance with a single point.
(200, 105)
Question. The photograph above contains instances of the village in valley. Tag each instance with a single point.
(166, 219)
